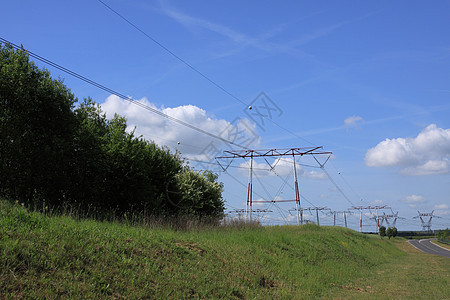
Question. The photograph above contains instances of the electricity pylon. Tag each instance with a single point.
(344, 214)
(426, 225)
(377, 216)
(274, 153)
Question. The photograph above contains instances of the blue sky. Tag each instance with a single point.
(369, 81)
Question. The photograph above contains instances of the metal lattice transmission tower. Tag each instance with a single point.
(393, 216)
(426, 225)
(242, 211)
(344, 215)
(377, 216)
(252, 154)
(317, 209)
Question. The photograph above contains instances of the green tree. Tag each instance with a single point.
(394, 231)
(51, 151)
(124, 172)
(89, 161)
(36, 130)
(443, 234)
(199, 194)
(382, 231)
(389, 232)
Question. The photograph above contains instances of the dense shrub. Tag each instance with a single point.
(55, 153)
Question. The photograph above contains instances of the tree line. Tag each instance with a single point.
(389, 232)
(57, 150)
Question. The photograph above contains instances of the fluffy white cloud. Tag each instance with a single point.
(441, 206)
(414, 200)
(191, 143)
(442, 210)
(426, 154)
(353, 121)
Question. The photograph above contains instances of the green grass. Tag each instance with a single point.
(442, 244)
(44, 256)
(415, 276)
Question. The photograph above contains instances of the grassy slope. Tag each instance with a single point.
(416, 276)
(52, 257)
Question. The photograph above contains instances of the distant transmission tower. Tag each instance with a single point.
(376, 217)
(242, 212)
(388, 217)
(317, 209)
(344, 214)
(426, 225)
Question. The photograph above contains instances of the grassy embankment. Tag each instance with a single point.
(45, 256)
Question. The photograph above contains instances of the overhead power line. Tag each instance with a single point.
(195, 69)
(214, 83)
(172, 53)
(120, 95)
(157, 111)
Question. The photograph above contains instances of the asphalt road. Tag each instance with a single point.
(428, 247)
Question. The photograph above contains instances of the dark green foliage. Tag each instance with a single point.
(36, 127)
(55, 154)
(389, 232)
(443, 234)
(394, 232)
(382, 231)
(120, 165)
(198, 194)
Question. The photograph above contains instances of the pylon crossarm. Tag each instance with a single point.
(274, 152)
(272, 201)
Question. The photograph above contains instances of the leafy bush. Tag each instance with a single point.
(443, 234)
(389, 232)
(55, 153)
(198, 194)
(382, 231)
(394, 231)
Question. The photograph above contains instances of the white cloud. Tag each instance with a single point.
(441, 206)
(414, 200)
(260, 169)
(353, 121)
(377, 202)
(258, 202)
(191, 143)
(426, 154)
(313, 175)
(442, 209)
